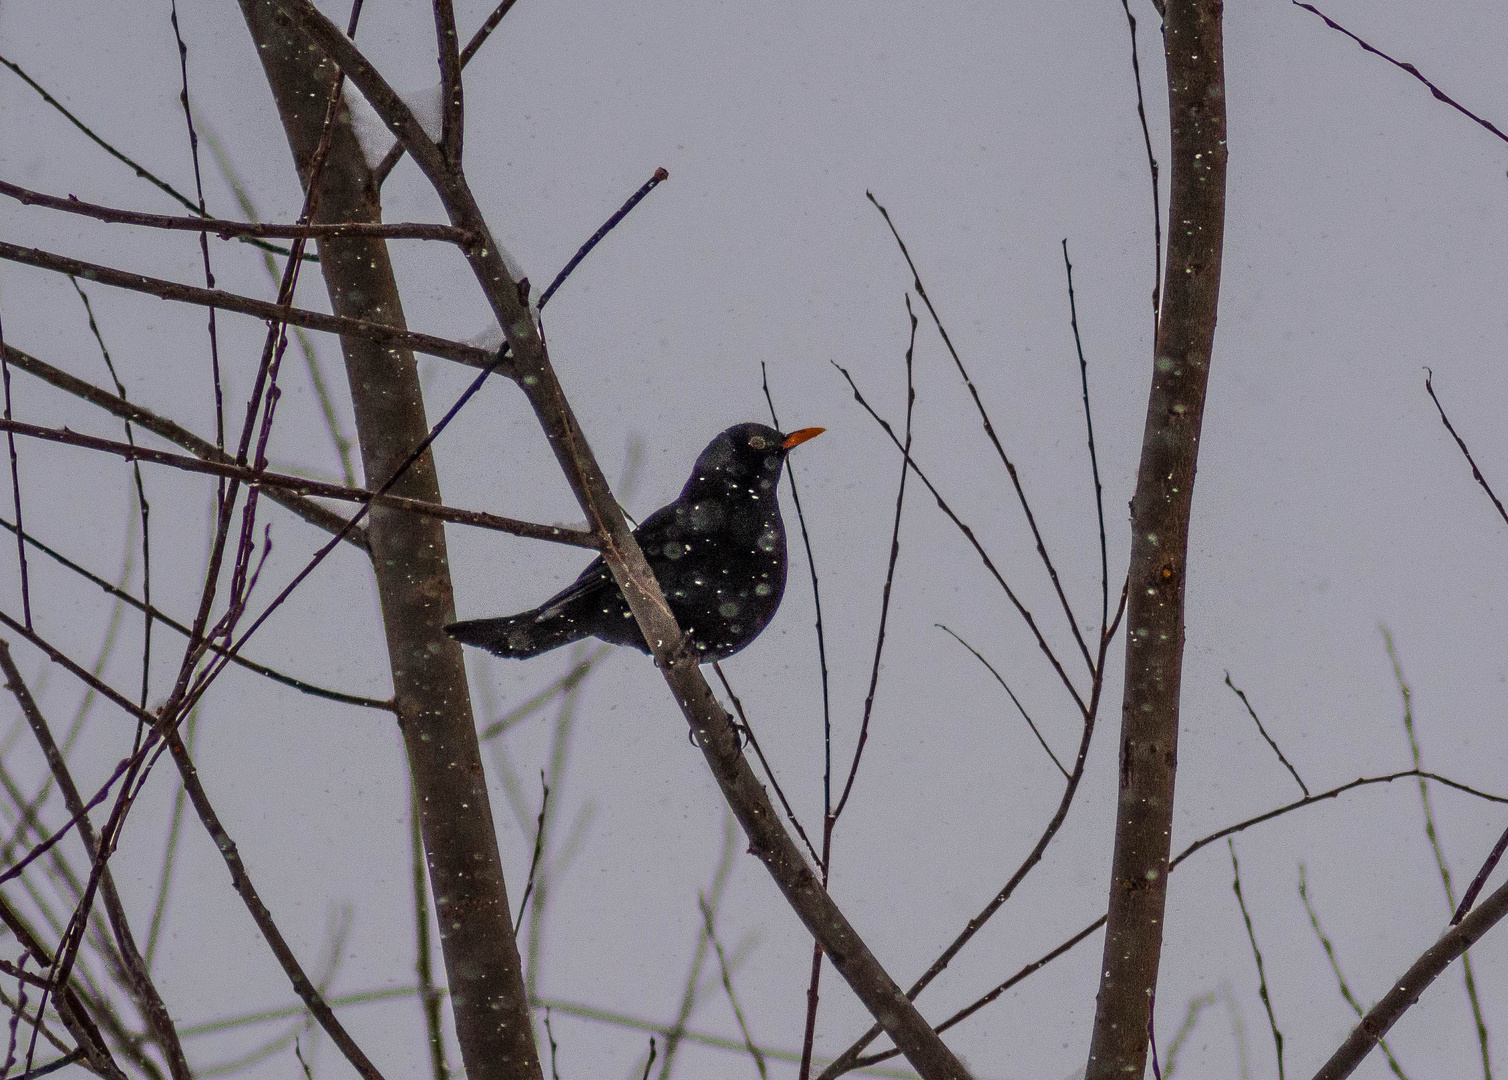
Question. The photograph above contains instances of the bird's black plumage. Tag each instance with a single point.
(718, 553)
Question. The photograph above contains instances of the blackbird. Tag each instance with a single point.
(718, 553)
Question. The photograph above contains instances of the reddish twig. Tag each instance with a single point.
(262, 478)
(15, 482)
(225, 230)
(1475, 888)
(311, 512)
(262, 309)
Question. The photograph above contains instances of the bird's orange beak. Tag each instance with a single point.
(796, 438)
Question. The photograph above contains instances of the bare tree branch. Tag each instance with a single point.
(159, 1022)
(484, 970)
(711, 726)
(262, 309)
(1159, 544)
(262, 478)
(405, 230)
(1408, 989)
(311, 512)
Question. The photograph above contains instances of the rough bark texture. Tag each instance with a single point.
(535, 376)
(413, 583)
(1405, 992)
(1159, 546)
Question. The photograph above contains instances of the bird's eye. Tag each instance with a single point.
(757, 442)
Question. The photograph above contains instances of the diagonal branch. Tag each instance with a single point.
(262, 309)
(1440, 95)
(260, 478)
(405, 230)
(711, 726)
(989, 429)
(158, 615)
(1408, 989)
(311, 512)
(488, 1000)
(159, 1023)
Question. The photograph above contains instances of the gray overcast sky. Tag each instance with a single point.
(1363, 243)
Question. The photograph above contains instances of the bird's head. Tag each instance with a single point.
(747, 454)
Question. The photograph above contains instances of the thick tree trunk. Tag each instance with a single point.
(1159, 544)
(413, 583)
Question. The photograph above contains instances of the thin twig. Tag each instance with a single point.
(1094, 458)
(748, 730)
(1475, 472)
(343, 442)
(225, 230)
(209, 276)
(989, 429)
(1146, 135)
(262, 309)
(15, 483)
(1439, 94)
(539, 849)
(139, 170)
(968, 533)
(1277, 1036)
(596, 238)
(738, 1012)
(895, 554)
(144, 508)
(1257, 720)
(452, 107)
(811, 565)
(166, 429)
(1019, 708)
(1365, 781)
(554, 1046)
(1470, 896)
(1340, 979)
(395, 154)
(1467, 973)
(262, 479)
(485, 30)
(173, 624)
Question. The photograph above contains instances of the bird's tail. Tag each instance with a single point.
(519, 636)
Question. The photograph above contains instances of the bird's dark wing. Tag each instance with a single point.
(593, 579)
(596, 577)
